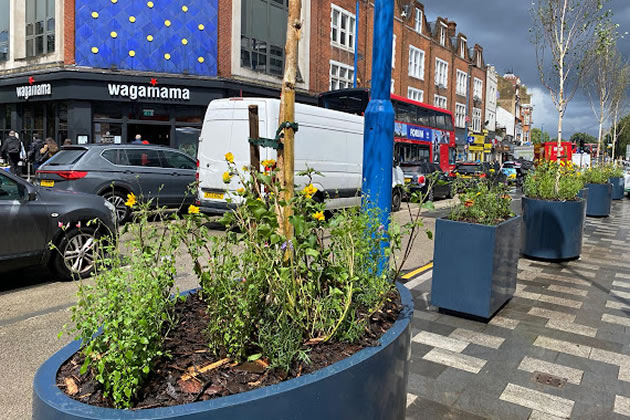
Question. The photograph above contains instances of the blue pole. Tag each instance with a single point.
(378, 137)
(356, 46)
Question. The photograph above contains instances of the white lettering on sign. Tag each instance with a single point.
(25, 92)
(417, 133)
(134, 92)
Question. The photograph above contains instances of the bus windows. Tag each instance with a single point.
(406, 152)
(443, 122)
(405, 113)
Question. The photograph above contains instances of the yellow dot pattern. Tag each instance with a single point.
(132, 19)
(113, 34)
(150, 38)
(167, 23)
(201, 27)
(150, 4)
(114, 1)
(94, 50)
(201, 60)
(95, 15)
(132, 53)
(167, 56)
(184, 8)
(184, 41)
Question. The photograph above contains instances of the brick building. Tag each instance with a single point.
(515, 99)
(98, 68)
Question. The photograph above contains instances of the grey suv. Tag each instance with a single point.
(31, 218)
(156, 173)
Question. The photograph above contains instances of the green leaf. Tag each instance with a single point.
(254, 357)
(429, 234)
(428, 205)
(299, 224)
(146, 370)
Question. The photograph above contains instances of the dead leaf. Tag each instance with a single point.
(251, 367)
(71, 386)
(262, 363)
(314, 341)
(213, 389)
(191, 386)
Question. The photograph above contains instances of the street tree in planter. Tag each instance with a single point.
(599, 201)
(553, 218)
(476, 252)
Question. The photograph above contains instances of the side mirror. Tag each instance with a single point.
(31, 194)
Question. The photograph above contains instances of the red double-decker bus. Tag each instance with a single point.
(422, 133)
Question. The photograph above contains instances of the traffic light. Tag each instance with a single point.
(581, 144)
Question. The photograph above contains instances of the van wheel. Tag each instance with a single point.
(118, 199)
(396, 199)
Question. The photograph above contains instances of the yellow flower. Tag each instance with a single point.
(269, 163)
(478, 194)
(309, 191)
(227, 177)
(245, 168)
(193, 209)
(229, 157)
(241, 191)
(319, 216)
(131, 200)
(491, 170)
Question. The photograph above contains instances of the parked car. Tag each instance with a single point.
(31, 218)
(151, 172)
(470, 170)
(417, 177)
(514, 172)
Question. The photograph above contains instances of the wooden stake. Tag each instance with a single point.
(254, 150)
(286, 155)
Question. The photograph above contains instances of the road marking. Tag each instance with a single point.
(567, 290)
(563, 346)
(539, 415)
(570, 327)
(616, 305)
(614, 319)
(549, 314)
(419, 280)
(610, 357)
(436, 340)
(624, 374)
(560, 301)
(618, 293)
(478, 338)
(536, 400)
(622, 405)
(503, 322)
(417, 271)
(622, 276)
(623, 284)
(531, 365)
(455, 360)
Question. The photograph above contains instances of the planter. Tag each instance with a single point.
(599, 200)
(371, 384)
(552, 230)
(618, 190)
(474, 266)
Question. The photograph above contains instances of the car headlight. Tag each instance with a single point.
(112, 209)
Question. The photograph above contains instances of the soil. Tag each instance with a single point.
(169, 385)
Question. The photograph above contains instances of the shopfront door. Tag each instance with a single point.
(153, 133)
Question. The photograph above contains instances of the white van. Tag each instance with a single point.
(331, 142)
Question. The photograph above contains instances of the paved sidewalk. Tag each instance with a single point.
(559, 349)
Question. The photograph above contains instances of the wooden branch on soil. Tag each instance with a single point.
(194, 371)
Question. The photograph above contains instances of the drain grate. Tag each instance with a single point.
(547, 379)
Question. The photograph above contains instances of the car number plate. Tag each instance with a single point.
(46, 183)
(407, 180)
(213, 195)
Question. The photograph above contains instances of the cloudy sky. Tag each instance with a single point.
(501, 28)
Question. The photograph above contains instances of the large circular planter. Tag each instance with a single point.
(618, 188)
(599, 200)
(371, 384)
(553, 230)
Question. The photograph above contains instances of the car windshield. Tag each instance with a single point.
(66, 157)
(468, 169)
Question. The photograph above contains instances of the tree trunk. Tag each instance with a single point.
(287, 110)
(600, 154)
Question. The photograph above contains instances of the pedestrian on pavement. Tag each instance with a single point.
(67, 142)
(49, 149)
(138, 140)
(34, 152)
(10, 151)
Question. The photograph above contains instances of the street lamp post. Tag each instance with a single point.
(378, 138)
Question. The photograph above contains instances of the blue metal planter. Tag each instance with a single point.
(474, 266)
(371, 384)
(553, 230)
(618, 188)
(599, 200)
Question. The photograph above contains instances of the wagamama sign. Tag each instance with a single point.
(25, 92)
(134, 92)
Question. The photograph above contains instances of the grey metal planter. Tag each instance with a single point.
(599, 200)
(618, 186)
(371, 384)
(553, 230)
(474, 266)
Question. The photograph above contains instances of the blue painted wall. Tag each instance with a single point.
(167, 36)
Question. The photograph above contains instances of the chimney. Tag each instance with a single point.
(452, 28)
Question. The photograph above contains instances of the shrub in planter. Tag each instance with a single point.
(476, 252)
(553, 212)
(270, 302)
(599, 199)
(616, 178)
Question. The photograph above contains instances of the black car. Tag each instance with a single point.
(418, 176)
(34, 218)
(157, 173)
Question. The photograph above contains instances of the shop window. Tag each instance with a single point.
(107, 132)
(263, 35)
(4, 30)
(189, 114)
(40, 27)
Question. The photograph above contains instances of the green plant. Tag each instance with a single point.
(614, 171)
(124, 315)
(483, 202)
(541, 182)
(596, 175)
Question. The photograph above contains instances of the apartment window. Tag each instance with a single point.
(263, 35)
(462, 48)
(441, 73)
(394, 51)
(415, 94)
(341, 76)
(418, 21)
(439, 101)
(40, 27)
(460, 115)
(476, 120)
(4, 30)
(442, 35)
(526, 119)
(416, 62)
(342, 25)
(491, 119)
(462, 78)
(478, 89)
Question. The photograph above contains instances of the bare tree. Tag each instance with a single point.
(564, 32)
(619, 101)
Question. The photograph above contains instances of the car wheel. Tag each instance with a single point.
(396, 199)
(118, 199)
(75, 256)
